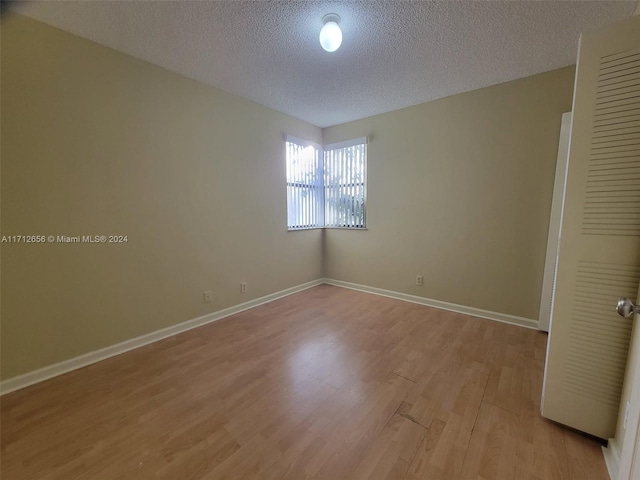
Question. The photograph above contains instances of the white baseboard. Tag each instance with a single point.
(612, 458)
(21, 381)
(452, 307)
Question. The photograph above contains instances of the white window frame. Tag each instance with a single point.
(353, 186)
(316, 205)
(320, 183)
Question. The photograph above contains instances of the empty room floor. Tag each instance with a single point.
(328, 383)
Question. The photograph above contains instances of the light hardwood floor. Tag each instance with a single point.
(328, 383)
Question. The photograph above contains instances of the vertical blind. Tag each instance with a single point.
(344, 184)
(326, 187)
(304, 185)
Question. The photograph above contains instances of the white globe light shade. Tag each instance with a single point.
(331, 36)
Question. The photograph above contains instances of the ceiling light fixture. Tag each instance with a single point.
(331, 35)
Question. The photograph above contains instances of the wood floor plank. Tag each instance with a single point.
(391, 454)
(328, 383)
(493, 445)
(442, 453)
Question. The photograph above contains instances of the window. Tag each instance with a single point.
(326, 186)
(305, 200)
(344, 184)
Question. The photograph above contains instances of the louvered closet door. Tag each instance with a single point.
(599, 259)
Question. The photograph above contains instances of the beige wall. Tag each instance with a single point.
(97, 142)
(459, 190)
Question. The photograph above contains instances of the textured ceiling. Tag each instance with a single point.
(394, 53)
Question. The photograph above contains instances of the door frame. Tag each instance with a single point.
(555, 224)
(630, 455)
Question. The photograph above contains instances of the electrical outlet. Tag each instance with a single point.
(207, 296)
(420, 280)
(243, 287)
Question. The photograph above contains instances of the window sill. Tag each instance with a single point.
(325, 228)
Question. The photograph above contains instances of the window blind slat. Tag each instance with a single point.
(351, 190)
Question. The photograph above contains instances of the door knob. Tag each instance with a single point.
(626, 307)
